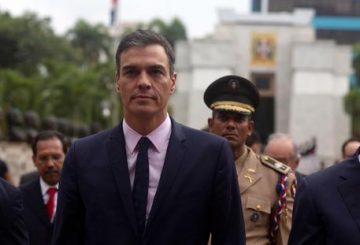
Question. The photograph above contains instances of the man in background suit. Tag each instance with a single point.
(149, 180)
(327, 206)
(28, 177)
(282, 147)
(40, 195)
(12, 226)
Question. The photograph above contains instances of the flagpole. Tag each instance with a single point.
(115, 35)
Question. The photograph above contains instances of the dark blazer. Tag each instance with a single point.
(197, 193)
(36, 218)
(12, 226)
(28, 177)
(327, 206)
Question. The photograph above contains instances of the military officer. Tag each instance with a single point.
(267, 186)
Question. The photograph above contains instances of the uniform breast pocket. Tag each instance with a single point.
(257, 211)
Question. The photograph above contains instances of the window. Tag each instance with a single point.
(264, 82)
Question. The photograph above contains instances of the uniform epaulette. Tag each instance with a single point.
(274, 164)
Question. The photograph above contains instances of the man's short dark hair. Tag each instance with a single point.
(142, 38)
(47, 135)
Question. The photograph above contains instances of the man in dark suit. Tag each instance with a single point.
(327, 206)
(149, 180)
(40, 195)
(12, 226)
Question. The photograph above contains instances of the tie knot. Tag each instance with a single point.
(51, 191)
(143, 143)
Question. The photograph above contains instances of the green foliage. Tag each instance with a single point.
(356, 62)
(70, 76)
(64, 76)
(352, 99)
(92, 41)
(173, 31)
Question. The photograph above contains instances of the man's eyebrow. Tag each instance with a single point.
(125, 67)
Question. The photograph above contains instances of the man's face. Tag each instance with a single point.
(49, 160)
(144, 82)
(235, 127)
(283, 151)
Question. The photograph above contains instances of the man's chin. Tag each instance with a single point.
(52, 180)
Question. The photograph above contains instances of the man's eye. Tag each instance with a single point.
(156, 72)
(43, 158)
(129, 72)
(240, 119)
(56, 157)
(223, 118)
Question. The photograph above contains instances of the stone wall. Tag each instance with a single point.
(18, 157)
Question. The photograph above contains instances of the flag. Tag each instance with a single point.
(113, 12)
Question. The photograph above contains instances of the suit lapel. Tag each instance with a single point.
(117, 156)
(173, 160)
(349, 185)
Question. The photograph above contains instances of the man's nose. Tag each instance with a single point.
(51, 163)
(144, 81)
(230, 124)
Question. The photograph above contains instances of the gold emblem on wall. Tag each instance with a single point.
(263, 49)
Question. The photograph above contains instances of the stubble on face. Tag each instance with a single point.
(144, 83)
(232, 126)
(49, 160)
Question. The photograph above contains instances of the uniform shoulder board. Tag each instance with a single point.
(274, 164)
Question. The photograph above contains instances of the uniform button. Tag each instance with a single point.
(255, 217)
(258, 207)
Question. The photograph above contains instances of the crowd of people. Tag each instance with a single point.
(152, 180)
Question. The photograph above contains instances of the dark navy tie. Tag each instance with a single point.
(141, 183)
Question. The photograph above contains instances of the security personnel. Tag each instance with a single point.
(267, 186)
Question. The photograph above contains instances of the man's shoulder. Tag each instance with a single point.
(31, 191)
(7, 188)
(93, 141)
(274, 165)
(7, 192)
(329, 174)
(198, 135)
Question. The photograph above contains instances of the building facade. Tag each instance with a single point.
(301, 80)
(334, 19)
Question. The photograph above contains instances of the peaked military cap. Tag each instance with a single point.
(232, 93)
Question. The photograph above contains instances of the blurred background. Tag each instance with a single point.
(57, 67)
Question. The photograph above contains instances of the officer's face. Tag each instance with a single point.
(49, 159)
(144, 82)
(235, 127)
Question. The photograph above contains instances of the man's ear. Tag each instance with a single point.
(34, 160)
(251, 126)
(173, 82)
(210, 124)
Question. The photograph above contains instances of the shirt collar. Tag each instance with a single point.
(156, 136)
(44, 186)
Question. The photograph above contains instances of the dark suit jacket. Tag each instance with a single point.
(197, 193)
(28, 177)
(12, 226)
(327, 206)
(36, 218)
